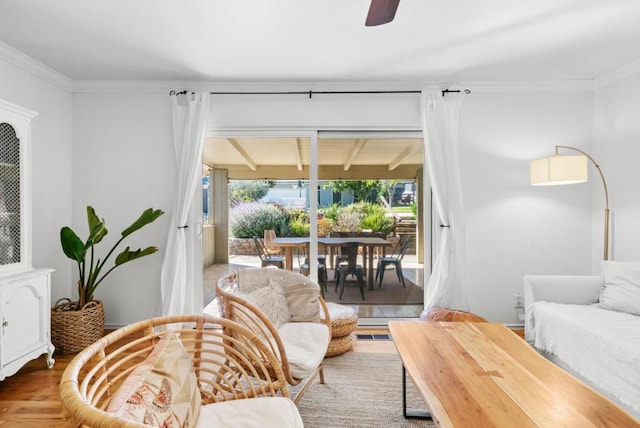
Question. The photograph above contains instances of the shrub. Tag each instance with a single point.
(331, 212)
(325, 225)
(298, 222)
(377, 222)
(299, 228)
(347, 221)
(251, 219)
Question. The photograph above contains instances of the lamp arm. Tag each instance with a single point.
(604, 183)
(606, 197)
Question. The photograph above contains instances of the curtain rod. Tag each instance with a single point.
(310, 93)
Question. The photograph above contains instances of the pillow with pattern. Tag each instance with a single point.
(163, 390)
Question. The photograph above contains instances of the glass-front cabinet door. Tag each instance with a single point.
(14, 187)
(10, 233)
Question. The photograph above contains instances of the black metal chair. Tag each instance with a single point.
(395, 260)
(266, 258)
(303, 262)
(341, 254)
(350, 267)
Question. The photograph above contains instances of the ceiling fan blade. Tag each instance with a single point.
(381, 12)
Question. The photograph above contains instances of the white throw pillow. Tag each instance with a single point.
(272, 302)
(621, 286)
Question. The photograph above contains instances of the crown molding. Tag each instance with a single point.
(19, 110)
(25, 62)
(618, 74)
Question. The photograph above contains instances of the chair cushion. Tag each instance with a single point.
(251, 413)
(305, 344)
(163, 390)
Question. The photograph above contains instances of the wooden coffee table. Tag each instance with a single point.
(484, 375)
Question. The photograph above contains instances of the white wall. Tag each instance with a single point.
(123, 164)
(617, 150)
(512, 228)
(51, 167)
(114, 151)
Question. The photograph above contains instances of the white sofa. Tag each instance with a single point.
(567, 323)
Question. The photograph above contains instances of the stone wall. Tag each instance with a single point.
(242, 247)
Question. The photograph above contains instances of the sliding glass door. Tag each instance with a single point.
(358, 186)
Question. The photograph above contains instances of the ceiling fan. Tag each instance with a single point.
(381, 12)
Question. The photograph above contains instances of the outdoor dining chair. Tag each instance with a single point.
(395, 260)
(270, 235)
(267, 259)
(350, 267)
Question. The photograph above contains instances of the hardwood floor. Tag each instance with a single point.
(30, 398)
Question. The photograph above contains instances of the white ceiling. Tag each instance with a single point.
(292, 41)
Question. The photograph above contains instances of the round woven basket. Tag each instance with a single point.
(344, 319)
(339, 345)
(74, 329)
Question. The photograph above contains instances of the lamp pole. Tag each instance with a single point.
(606, 197)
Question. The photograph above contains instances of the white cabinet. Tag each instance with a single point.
(25, 331)
(25, 302)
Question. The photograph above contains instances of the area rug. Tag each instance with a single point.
(391, 292)
(361, 390)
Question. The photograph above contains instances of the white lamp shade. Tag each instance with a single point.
(559, 170)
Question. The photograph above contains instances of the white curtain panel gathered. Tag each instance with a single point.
(446, 286)
(181, 290)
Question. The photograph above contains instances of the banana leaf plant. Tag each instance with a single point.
(93, 271)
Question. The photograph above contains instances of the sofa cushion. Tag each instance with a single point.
(251, 413)
(305, 344)
(163, 390)
(600, 345)
(621, 286)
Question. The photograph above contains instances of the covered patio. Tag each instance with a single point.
(338, 156)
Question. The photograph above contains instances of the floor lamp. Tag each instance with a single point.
(559, 169)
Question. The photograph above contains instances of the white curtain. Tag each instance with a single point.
(446, 286)
(181, 278)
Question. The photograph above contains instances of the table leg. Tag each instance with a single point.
(288, 258)
(370, 269)
(410, 413)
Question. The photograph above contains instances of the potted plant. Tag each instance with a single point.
(77, 324)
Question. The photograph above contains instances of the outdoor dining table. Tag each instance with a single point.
(368, 244)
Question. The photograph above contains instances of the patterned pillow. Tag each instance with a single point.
(163, 390)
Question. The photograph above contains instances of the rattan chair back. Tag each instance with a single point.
(219, 349)
(239, 310)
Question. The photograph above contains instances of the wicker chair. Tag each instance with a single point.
(300, 360)
(229, 361)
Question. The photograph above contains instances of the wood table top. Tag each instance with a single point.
(484, 375)
(365, 240)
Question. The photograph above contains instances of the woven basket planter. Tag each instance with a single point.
(72, 330)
